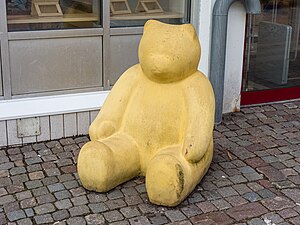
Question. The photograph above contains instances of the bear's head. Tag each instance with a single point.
(169, 53)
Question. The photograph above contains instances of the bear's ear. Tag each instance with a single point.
(150, 23)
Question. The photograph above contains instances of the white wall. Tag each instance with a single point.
(234, 54)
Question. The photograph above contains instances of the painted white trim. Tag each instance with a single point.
(51, 105)
(234, 58)
(205, 21)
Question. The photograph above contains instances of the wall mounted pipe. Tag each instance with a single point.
(218, 46)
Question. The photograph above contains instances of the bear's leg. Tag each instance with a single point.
(170, 177)
(102, 165)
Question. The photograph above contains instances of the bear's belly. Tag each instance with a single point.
(155, 118)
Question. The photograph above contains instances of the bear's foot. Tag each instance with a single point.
(95, 166)
(102, 165)
(165, 181)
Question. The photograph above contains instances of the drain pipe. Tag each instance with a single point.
(218, 46)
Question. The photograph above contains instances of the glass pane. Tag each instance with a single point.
(127, 13)
(272, 56)
(52, 14)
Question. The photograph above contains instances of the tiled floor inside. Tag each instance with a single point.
(254, 179)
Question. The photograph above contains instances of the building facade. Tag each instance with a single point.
(60, 58)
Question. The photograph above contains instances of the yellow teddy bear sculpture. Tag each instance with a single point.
(156, 122)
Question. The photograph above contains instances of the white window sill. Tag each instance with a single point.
(51, 105)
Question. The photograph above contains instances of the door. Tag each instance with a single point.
(272, 55)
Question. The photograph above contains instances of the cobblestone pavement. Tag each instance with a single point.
(254, 179)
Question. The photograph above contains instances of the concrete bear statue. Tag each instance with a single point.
(156, 122)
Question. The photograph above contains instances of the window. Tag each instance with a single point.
(52, 14)
(272, 59)
(126, 13)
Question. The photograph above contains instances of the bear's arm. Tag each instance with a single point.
(109, 118)
(200, 105)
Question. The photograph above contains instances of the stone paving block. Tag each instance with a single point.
(52, 172)
(241, 188)
(253, 176)
(295, 220)
(25, 221)
(98, 207)
(33, 184)
(15, 215)
(293, 194)
(2, 192)
(288, 213)
(115, 204)
(133, 200)
(5, 181)
(6, 166)
(191, 210)
(17, 170)
(96, 197)
(40, 191)
(236, 200)
(265, 193)
(284, 184)
(80, 200)
(272, 217)
(252, 197)
(2, 219)
(60, 215)
(247, 211)
(237, 179)
(66, 177)
(76, 221)
(256, 221)
(12, 206)
(147, 208)
(45, 208)
(23, 195)
(227, 192)
(78, 191)
(221, 204)
(36, 175)
(115, 194)
(12, 189)
(34, 168)
(95, 219)
(45, 198)
(255, 186)
(206, 207)
(113, 216)
(18, 179)
(122, 222)
(63, 204)
(6, 199)
(56, 187)
(28, 203)
(71, 184)
(211, 195)
(129, 191)
(29, 212)
(175, 215)
(79, 210)
(295, 179)
(195, 198)
(141, 220)
(214, 218)
(62, 194)
(130, 212)
(158, 219)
